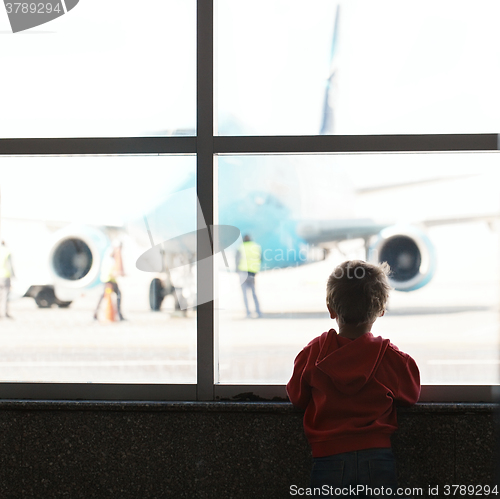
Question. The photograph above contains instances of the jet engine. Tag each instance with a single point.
(410, 254)
(75, 259)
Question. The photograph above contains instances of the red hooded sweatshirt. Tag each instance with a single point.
(349, 389)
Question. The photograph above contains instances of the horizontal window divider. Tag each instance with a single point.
(314, 144)
(305, 144)
(100, 145)
(97, 391)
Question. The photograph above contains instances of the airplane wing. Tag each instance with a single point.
(319, 232)
(405, 247)
(489, 218)
(370, 189)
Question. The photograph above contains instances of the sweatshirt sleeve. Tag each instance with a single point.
(408, 391)
(298, 389)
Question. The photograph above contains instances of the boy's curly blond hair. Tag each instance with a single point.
(357, 291)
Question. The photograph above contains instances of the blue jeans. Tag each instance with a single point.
(355, 474)
(249, 285)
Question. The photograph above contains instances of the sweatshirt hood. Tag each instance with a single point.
(350, 364)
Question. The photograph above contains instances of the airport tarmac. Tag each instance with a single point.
(450, 329)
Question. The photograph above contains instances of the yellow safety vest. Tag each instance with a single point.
(108, 273)
(249, 257)
(5, 269)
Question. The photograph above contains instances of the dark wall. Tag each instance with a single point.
(213, 450)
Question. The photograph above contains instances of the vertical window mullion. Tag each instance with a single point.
(204, 186)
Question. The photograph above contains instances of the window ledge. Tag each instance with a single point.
(259, 407)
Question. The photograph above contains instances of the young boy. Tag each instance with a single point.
(349, 383)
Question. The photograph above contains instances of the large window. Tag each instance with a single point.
(299, 135)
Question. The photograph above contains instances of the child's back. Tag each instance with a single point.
(349, 382)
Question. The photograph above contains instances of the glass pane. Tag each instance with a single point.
(358, 67)
(72, 224)
(433, 217)
(103, 69)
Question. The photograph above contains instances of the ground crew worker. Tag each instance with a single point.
(6, 273)
(248, 260)
(111, 268)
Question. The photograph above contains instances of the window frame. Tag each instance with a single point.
(207, 146)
